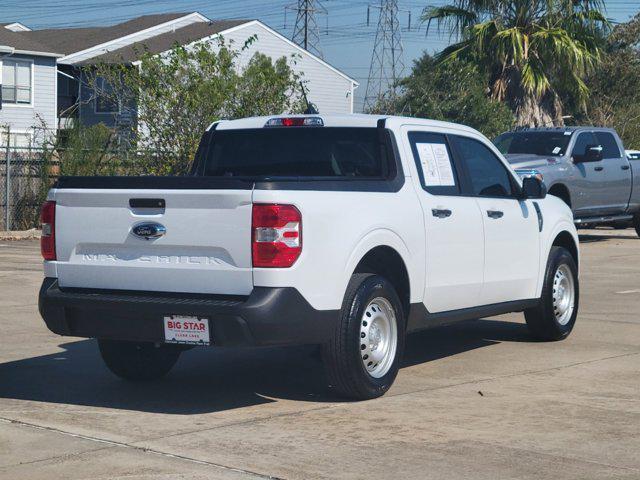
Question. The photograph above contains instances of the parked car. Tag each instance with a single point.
(584, 166)
(344, 231)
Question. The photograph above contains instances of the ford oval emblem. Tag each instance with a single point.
(149, 230)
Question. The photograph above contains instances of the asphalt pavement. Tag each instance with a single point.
(477, 400)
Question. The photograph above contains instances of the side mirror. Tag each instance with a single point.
(593, 154)
(533, 188)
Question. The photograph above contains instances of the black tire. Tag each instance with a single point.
(138, 362)
(636, 223)
(346, 372)
(541, 320)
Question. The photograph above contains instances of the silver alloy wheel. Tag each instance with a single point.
(564, 294)
(378, 337)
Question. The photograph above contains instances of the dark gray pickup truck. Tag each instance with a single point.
(585, 166)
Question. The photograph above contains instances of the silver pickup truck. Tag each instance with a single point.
(585, 166)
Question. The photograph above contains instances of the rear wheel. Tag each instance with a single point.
(138, 362)
(555, 316)
(363, 357)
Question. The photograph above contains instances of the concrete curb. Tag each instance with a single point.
(20, 235)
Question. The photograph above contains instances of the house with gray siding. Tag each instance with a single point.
(80, 48)
(28, 82)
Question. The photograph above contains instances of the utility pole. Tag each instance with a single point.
(387, 64)
(306, 32)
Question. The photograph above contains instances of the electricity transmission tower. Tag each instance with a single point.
(306, 32)
(387, 63)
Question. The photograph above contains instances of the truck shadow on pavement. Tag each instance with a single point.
(210, 380)
(606, 235)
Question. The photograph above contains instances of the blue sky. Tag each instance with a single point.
(346, 40)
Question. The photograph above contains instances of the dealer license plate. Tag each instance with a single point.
(186, 330)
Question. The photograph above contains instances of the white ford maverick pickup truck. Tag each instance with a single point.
(343, 231)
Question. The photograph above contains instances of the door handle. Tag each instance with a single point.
(625, 167)
(495, 214)
(441, 212)
(598, 169)
(147, 203)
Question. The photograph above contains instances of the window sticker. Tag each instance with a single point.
(436, 165)
(556, 150)
(567, 133)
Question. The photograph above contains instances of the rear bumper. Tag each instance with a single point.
(269, 316)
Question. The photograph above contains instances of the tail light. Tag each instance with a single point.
(276, 235)
(48, 236)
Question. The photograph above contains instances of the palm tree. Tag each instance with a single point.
(532, 51)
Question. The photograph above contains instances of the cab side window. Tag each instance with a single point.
(435, 163)
(488, 176)
(609, 145)
(584, 139)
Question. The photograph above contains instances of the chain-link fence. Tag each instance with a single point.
(27, 174)
(30, 164)
(25, 177)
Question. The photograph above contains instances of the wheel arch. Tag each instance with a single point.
(563, 234)
(565, 239)
(383, 252)
(387, 262)
(561, 191)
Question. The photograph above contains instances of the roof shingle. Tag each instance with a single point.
(166, 41)
(23, 41)
(71, 40)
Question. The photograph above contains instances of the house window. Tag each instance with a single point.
(105, 101)
(16, 81)
(16, 140)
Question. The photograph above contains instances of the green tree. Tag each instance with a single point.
(170, 99)
(85, 151)
(454, 92)
(615, 86)
(530, 50)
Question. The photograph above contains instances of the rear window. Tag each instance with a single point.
(333, 152)
(553, 143)
(609, 145)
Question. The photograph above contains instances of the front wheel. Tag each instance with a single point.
(555, 316)
(363, 357)
(138, 361)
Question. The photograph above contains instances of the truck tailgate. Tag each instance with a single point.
(206, 247)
